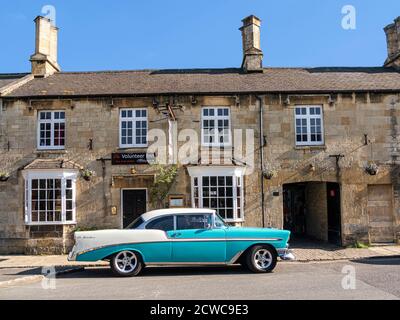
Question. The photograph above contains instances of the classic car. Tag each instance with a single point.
(182, 237)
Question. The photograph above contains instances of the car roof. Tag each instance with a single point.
(162, 212)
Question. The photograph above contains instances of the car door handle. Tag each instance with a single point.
(176, 234)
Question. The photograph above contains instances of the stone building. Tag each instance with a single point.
(320, 151)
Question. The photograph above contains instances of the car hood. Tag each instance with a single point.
(251, 232)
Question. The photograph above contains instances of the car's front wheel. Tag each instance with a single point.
(126, 263)
(261, 259)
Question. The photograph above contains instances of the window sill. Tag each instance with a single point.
(50, 223)
(234, 220)
(131, 148)
(222, 146)
(312, 147)
(51, 151)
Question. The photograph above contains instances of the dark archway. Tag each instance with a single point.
(311, 210)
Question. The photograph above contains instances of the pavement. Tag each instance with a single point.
(306, 251)
(369, 278)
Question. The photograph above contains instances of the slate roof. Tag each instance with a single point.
(8, 78)
(211, 81)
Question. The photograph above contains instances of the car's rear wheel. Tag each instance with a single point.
(261, 258)
(126, 263)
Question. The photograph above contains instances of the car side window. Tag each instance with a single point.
(193, 221)
(163, 223)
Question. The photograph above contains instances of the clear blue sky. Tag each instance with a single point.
(133, 34)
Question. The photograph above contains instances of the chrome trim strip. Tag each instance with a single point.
(235, 257)
(222, 239)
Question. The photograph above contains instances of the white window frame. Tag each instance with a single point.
(235, 172)
(216, 117)
(64, 175)
(308, 117)
(133, 119)
(52, 121)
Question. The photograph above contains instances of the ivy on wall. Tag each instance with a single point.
(164, 178)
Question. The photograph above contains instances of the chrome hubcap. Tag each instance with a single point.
(262, 259)
(125, 261)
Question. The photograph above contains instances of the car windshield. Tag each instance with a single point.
(219, 222)
(136, 223)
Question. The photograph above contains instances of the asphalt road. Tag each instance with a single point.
(374, 279)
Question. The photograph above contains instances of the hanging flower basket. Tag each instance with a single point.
(87, 174)
(4, 176)
(269, 174)
(372, 168)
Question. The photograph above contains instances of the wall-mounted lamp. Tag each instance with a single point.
(90, 144)
(133, 170)
(237, 101)
(286, 102)
(193, 100)
(113, 210)
(365, 139)
(155, 102)
(331, 101)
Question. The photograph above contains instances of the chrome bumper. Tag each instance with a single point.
(286, 254)
(72, 255)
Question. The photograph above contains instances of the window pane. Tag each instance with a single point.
(193, 221)
(68, 215)
(164, 223)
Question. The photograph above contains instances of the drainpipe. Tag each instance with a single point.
(260, 100)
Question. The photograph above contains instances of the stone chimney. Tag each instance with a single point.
(44, 60)
(252, 53)
(393, 44)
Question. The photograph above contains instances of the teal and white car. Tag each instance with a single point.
(182, 237)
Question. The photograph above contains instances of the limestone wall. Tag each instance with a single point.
(345, 123)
